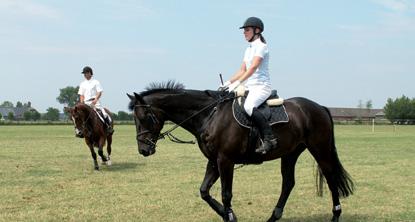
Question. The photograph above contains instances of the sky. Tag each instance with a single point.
(337, 53)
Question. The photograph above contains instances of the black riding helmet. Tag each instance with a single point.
(253, 22)
(87, 69)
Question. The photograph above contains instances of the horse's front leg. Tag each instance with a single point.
(211, 176)
(226, 168)
(288, 182)
(101, 154)
(94, 156)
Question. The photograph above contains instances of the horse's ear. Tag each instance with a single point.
(130, 96)
(139, 98)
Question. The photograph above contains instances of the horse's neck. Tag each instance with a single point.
(187, 106)
(90, 115)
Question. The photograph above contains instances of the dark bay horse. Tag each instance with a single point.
(208, 116)
(88, 125)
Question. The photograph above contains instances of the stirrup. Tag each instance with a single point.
(267, 146)
(109, 130)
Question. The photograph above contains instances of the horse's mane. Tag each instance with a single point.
(170, 85)
(155, 87)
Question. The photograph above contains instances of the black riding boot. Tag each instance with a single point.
(269, 142)
(110, 130)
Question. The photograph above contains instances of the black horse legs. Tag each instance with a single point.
(335, 197)
(94, 156)
(226, 168)
(101, 154)
(288, 182)
(211, 176)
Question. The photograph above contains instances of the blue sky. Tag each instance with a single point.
(333, 52)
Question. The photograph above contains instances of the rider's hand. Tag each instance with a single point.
(94, 102)
(234, 85)
(224, 86)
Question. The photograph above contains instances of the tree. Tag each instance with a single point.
(52, 114)
(35, 115)
(19, 104)
(1, 116)
(28, 104)
(7, 104)
(10, 116)
(369, 104)
(400, 110)
(68, 96)
(122, 115)
(27, 115)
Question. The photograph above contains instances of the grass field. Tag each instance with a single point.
(47, 175)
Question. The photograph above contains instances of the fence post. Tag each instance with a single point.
(373, 125)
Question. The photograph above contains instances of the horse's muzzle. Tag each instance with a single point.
(78, 133)
(148, 151)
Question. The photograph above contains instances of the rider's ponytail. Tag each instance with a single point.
(262, 39)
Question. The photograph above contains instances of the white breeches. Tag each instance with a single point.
(256, 96)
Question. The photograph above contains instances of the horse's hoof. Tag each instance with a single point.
(96, 168)
(108, 163)
(230, 217)
(335, 219)
(276, 215)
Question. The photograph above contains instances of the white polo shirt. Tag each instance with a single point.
(89, 88)
(261, 75)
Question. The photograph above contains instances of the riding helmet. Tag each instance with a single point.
(253, 22)
(87, 69)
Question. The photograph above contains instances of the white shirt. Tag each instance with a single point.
(89, 89)
(261, 75)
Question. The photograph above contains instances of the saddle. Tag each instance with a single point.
(100, 115)
(273, 109)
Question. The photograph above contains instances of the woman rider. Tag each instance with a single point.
(254, 73)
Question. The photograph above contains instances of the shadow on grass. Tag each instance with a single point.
(327, 217)
(123, 166)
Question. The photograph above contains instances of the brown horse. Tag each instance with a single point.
(208, 116)
(89, 126)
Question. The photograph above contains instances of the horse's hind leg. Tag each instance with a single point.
(338, 180)
(288, 181)
(94, 156)
(328, 173)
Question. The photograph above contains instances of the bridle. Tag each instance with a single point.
(84, 122)
(153, 118)
(168, 133)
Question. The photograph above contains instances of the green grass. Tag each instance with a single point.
(47, 175)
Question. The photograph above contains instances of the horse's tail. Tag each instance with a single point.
(342, 179)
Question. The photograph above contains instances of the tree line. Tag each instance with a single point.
(68, 96)
(30, 113)
(400, 110)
